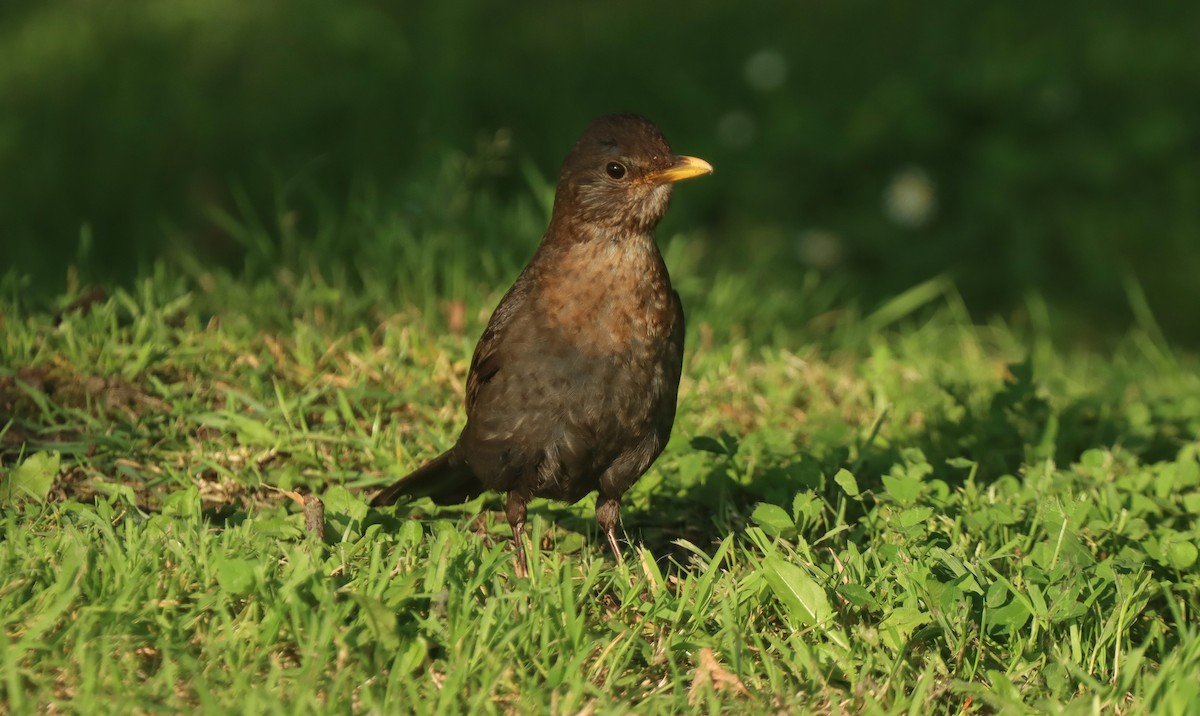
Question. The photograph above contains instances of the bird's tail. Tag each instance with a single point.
(445, 479)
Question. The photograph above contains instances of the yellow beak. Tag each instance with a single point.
(683, 168)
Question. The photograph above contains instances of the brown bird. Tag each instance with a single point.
(572, 387)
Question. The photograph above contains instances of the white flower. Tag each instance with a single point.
(910, 199)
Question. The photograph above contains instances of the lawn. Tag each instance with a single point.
(906, 509)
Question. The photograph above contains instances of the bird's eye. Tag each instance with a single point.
(616, 170)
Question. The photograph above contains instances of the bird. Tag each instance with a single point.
(572, 387)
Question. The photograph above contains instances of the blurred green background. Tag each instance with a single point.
(1040, 154)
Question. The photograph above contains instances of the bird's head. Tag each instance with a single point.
(619, 176)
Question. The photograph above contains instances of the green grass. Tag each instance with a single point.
(898, 512)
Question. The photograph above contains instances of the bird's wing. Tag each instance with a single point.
(677, 328)
(485, 363)
(673, 369)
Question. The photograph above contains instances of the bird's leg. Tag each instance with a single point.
(608, 513)
(516, 519)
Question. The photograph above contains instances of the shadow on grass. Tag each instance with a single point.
(1013, 428)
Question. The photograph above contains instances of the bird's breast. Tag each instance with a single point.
(610, 297)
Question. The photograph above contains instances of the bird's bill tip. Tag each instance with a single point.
(683, 168)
